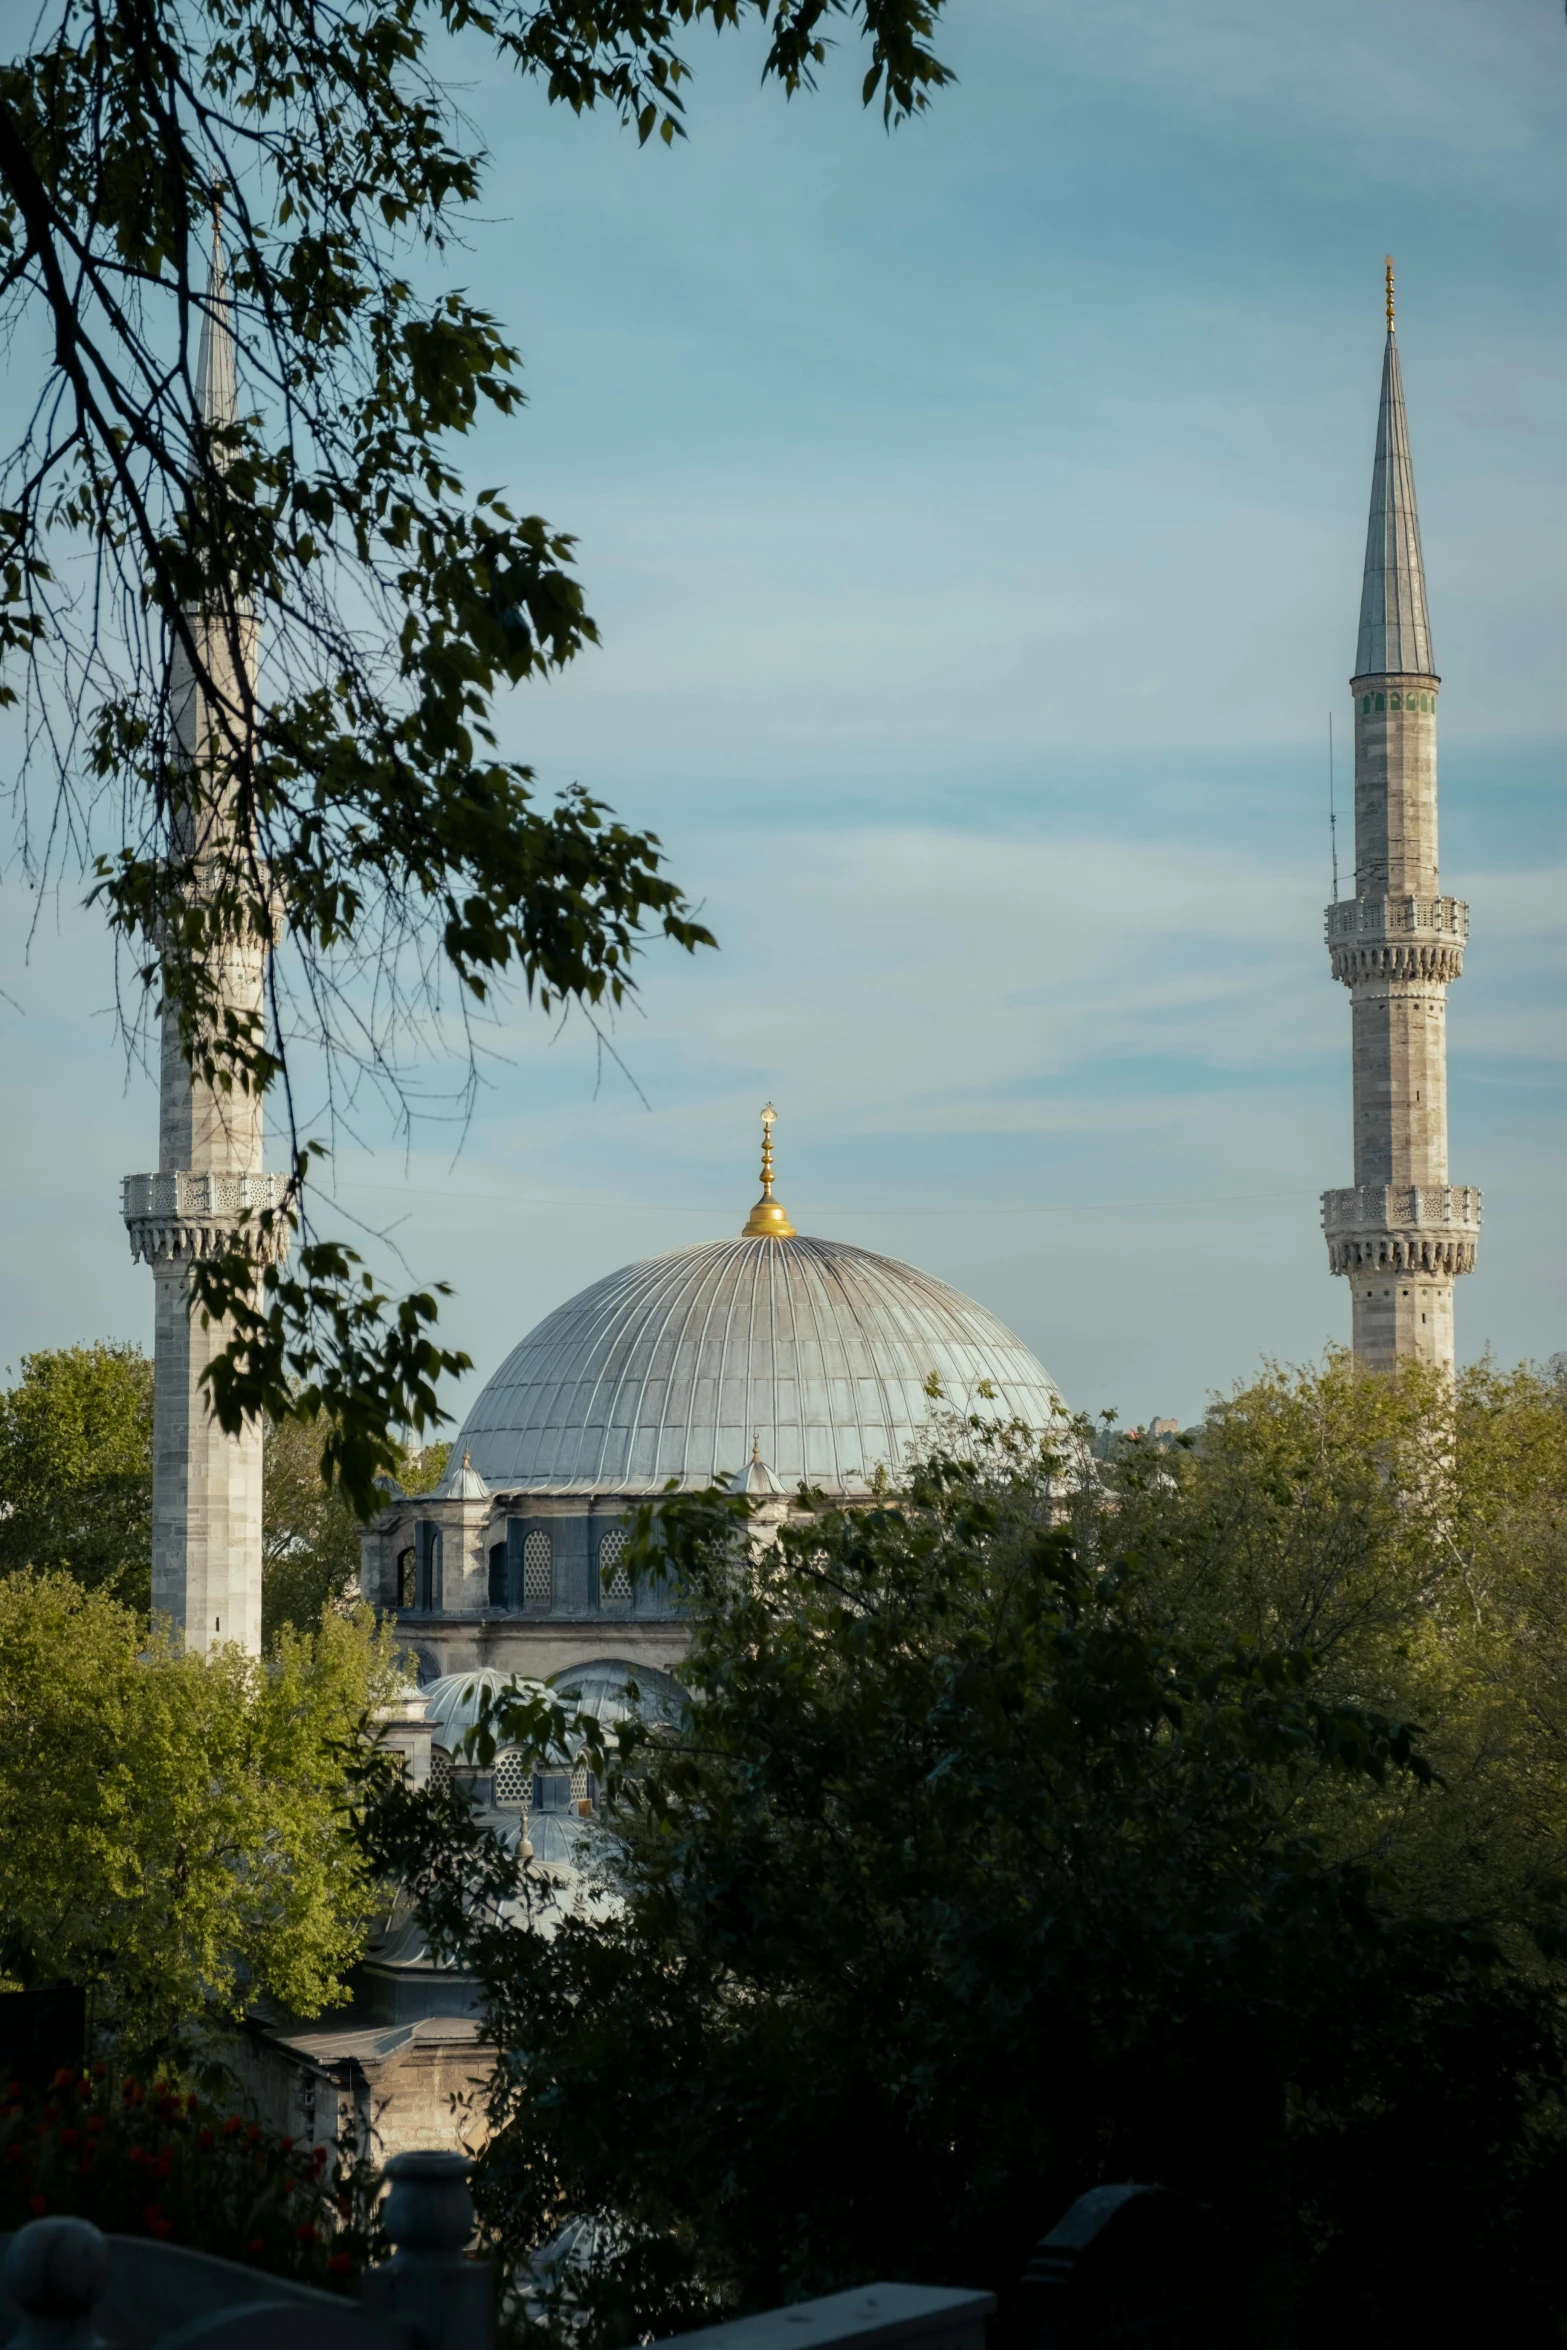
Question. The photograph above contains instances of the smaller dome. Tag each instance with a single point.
(603, 1691)
(462, 1482)
(454, 1703)
(756, 1478)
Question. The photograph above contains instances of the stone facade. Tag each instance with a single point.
(1401, 1233)
(524, 1582)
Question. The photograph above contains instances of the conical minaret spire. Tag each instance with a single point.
(1401, 1232)
(1395, 629)
(217, 376)
(206, 1539)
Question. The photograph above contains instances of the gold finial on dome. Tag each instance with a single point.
(1390, 293)
(769, 1219)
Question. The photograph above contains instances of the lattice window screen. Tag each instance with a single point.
(536, 1569)
(579, 1784)
(614, 1582)
(513, 1778)
(440, 1770)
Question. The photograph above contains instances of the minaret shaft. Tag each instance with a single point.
(1402, 1233)
(207, 1524)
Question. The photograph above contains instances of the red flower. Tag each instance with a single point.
(285, 2145)
(157, 2224)
(95, 2123)
(160, 2088)
(306, 2231)
(318, 2159)
(37, 2205)
(340, 2264)
(139, 2155)
(253, 2135)
(204, 2140)
(128, 2087)
(51, 2113)
(255, 2245)
(232, 2126)
(63, 2078)
(191, 2102)
(98, 2071)
(70, 2137)
(164, 2164)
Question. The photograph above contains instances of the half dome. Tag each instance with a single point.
(671, 1368)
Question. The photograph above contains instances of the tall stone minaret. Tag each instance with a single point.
(206, 1493)
(1401, 1233)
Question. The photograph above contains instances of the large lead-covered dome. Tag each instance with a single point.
(671, 1367)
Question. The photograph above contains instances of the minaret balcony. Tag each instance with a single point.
(1431, 1228)
(175, 1218)
(1419, 939)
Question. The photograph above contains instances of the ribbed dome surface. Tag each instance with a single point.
(670, 1367)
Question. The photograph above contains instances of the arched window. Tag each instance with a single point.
(497, 1574)
(614, 1581)
(440, 1770)
(513, 1779)
(407, 1578)
(581, 1788)
(536, 1569)
(428, 1547)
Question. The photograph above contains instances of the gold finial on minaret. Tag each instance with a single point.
(1390, 293)
(769, 1219)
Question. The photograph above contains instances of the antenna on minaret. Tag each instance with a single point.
(1390, 293)
(1332, 812)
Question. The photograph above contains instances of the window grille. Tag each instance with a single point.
(536, 1569)
(407, 1579)
(579, 1786)
(513, 1778)
(614, 1581)
(440, 1771)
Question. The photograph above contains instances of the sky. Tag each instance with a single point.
(974, 518)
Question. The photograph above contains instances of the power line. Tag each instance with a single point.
(712, 1214)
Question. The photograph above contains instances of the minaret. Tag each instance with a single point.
(1401, 1234)
(206, 1491)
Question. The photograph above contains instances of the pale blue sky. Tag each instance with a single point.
(975, 519)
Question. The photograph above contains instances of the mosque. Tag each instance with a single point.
(765, 1360)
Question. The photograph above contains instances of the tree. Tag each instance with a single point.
(180, 1830)
(76, 1468)
(310, 1535)
(968, 1881)
(347, 809)
(1412, 1538)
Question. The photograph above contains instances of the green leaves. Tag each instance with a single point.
(181, 1828)
(76, 1468)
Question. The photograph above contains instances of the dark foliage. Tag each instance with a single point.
(963, 1886)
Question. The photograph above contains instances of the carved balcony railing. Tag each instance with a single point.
(1431, 1228)
(175, 1218)
(1407, 938)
